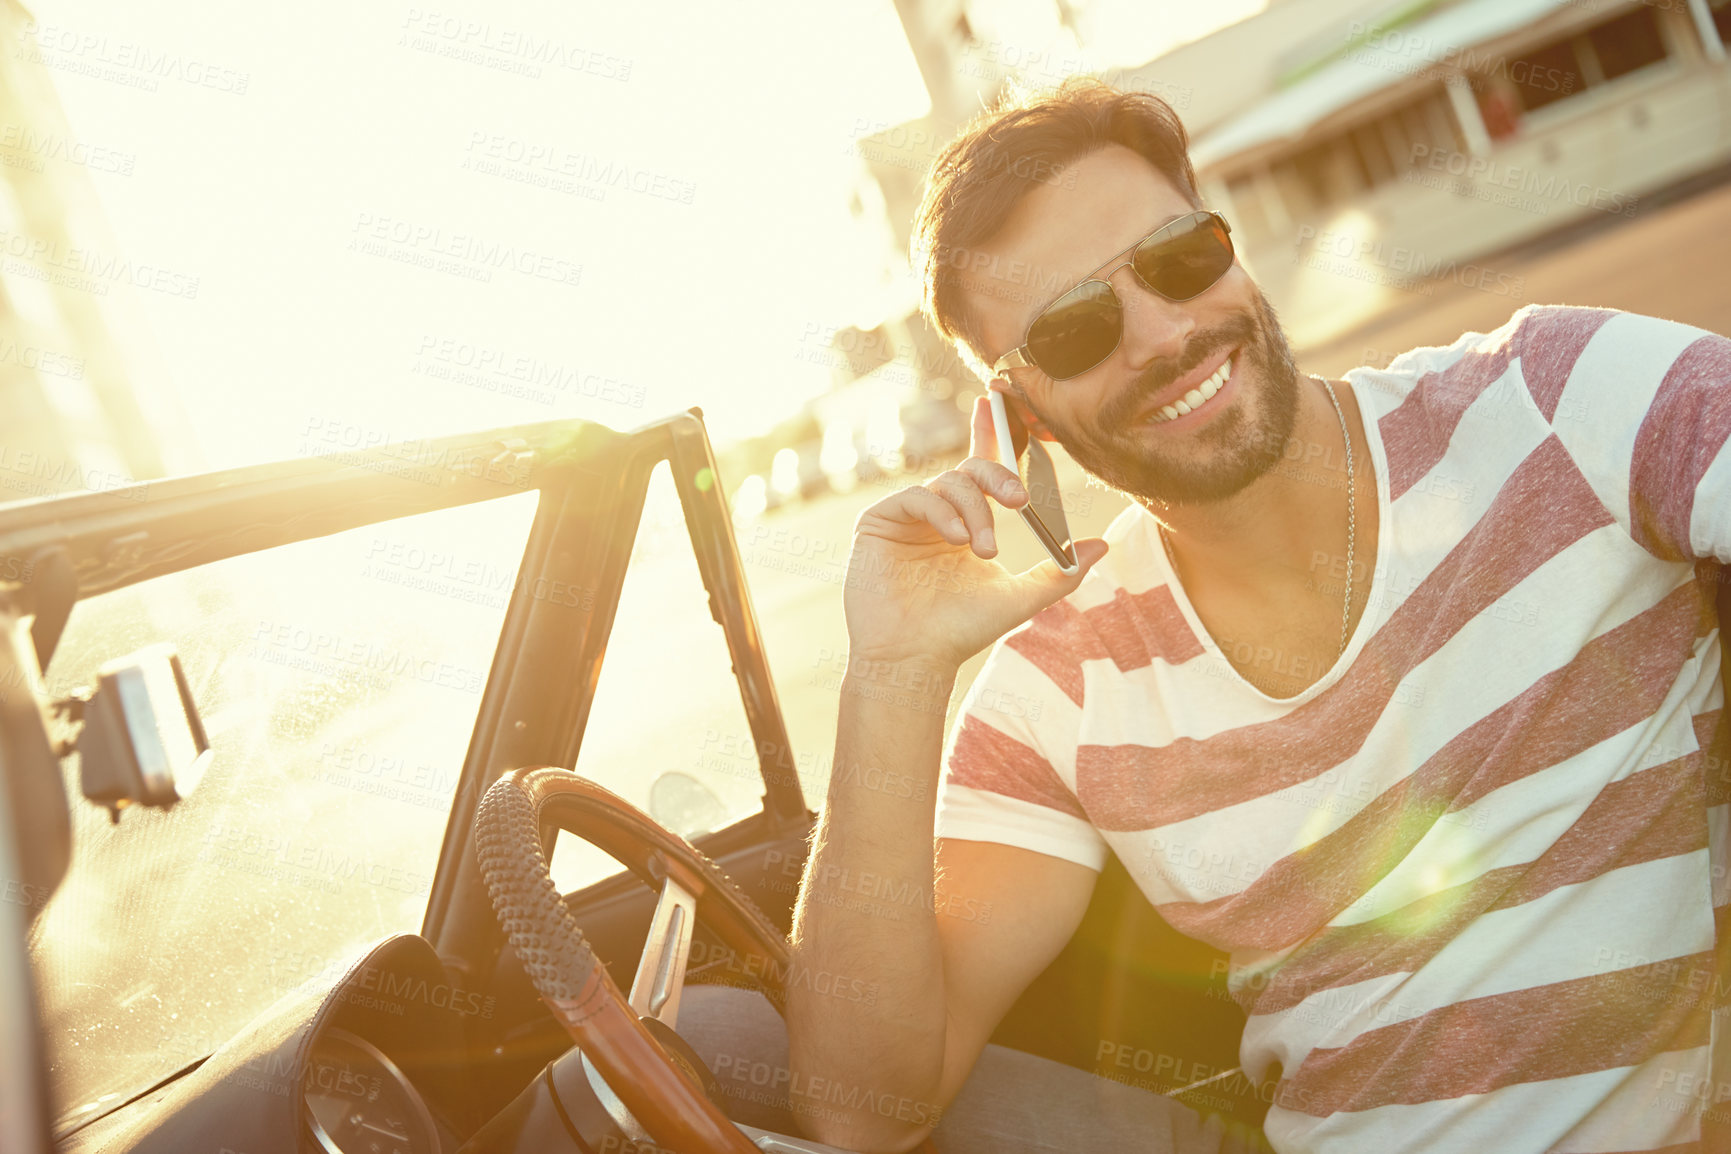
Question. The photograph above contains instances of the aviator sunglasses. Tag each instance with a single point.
(1179, 260)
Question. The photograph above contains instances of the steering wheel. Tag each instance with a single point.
(518, 815)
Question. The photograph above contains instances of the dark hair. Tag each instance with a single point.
(980, 177)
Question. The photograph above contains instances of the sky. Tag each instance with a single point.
(404, 219)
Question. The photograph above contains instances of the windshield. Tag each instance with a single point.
(339, 681)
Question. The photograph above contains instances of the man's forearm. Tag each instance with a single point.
(865, 919)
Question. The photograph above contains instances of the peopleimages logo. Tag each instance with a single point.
(464, 254)
(495, 154)
(88, 270)
(1370, 258)
(414, 988)
(134, 65)
(1524, 179)
(504, 48)
(38, 146)
(1382, 47)
(514, 373)
(359, 653)
(36, 473)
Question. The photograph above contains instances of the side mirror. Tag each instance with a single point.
(143, 742)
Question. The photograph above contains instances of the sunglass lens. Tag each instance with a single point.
(1186, 265)
(1078, 332)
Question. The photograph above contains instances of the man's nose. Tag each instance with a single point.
(1154, 327)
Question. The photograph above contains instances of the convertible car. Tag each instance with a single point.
(323, 828)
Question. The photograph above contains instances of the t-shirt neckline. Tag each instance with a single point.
(1368, 622)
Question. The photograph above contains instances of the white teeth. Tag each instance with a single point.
(1200, 395)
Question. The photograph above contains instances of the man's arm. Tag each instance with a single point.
(895, 987)
(943, 962)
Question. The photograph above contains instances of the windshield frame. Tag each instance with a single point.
(592, 483)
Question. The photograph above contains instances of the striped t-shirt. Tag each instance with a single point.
(1472, 880)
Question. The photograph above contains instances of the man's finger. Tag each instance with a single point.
(983, 438)
(963, 492)
(918, 504)
(993, 478)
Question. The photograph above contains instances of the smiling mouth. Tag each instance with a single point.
(1197, 397)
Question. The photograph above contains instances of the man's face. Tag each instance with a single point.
(1111, 417)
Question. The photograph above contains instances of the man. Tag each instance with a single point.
(1426, 738)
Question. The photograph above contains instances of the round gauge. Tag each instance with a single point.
(359, 1102)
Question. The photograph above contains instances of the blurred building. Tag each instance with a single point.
(74, 413)
(1366, 149)
(1391, 150)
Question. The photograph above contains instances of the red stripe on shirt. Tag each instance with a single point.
(1549, 342)
(989, 759)
(1685, 428)
(1558, 1030)
(1715, 1130)
(1131, 631)
(1616, 680)
(1713, 736)
(1052, 643)
(1545, 506)
(1652, 815)
(1418, 430)
(1135, 629)
(1722, 938)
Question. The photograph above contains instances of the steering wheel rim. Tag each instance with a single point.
(518, 815)
(514, 816)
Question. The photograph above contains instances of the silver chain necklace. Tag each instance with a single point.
(1351, 514)
(1351, 519)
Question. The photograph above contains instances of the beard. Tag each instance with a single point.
(1223, 458)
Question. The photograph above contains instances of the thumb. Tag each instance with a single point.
(1047, 584)
(1088, 551)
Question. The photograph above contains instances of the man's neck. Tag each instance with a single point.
(1291, 520)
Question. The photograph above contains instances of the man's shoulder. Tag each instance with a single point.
(1541, 344)
(1547, 339)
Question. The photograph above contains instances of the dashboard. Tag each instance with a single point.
(370, 1065)
(383, 1062)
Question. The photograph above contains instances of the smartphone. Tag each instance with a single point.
(1044, 512)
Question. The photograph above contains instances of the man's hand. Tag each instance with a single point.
(923, 587)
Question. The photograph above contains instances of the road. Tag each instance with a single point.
(1671, 263)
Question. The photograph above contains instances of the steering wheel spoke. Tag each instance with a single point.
(661, 971)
